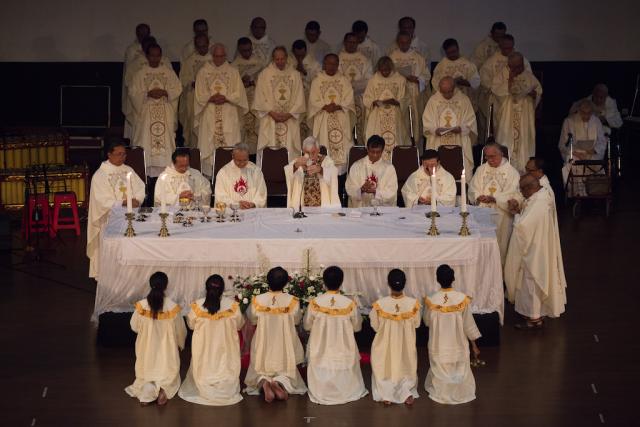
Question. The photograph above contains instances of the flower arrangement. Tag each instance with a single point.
(304, 286)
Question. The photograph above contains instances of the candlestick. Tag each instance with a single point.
(129, 192)
(434, 192)
(463, 192)
(433, 229)
(164, 231)
(163, 204)
(130, 231)
(464, 228)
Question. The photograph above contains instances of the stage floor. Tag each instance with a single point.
(580, 370)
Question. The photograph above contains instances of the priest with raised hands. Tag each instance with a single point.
(312, 179)
(449, 119)
(417, 190)
(357, 68)
(154, 93)
(220, 103)
(372, 177)
(332, 112)
(534, 271)
(189, 68)
(517, 92)
(181, 182)
(279, 104)
(108, 190)
(241, 181)
(276, 349)
(495, 185)
(333, 375)
(385, 99)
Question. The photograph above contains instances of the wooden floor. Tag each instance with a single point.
(581, 370)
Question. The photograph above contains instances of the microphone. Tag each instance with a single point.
(569, 139)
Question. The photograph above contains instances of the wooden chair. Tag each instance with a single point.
(405, 160)
(451, 160)
(221, 156)
(272, 163)
(194, 159)
(137, 160)
(356, 153)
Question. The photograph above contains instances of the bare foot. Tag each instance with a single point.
(267, 391)
(281, 393)
(162, 398)
(410, 400)
(386, 403)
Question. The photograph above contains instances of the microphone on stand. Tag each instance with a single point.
(569, 140)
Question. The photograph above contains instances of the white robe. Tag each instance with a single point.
(333, 130)
(250, 126)
(447, 113)
(483, 51)
(394, 358)
(461, 67)
(516, 115)
(412, 63)
(382, 173)
(328, 185)
(419, 185)
(234, 184)
(189, 48)
(188, 70)
(218, 125)
(171, 183)
(416, 45)
(370, 50)
(448, 316)
(157, 355)
(505, 183)
(609, 112)
(386, 121)
(281, 91)
(357, 68)
(214, 374)
(156, 119)
(333, 374)
(276, 349)
(108, 189)
(318, 50)
(312, 68)
(263, 48)
(133, 51)
(534, 271)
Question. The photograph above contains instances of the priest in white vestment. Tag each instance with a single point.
(279, 105)
(154, 93)
(385, 99)
(357, 68)
(188, 71)
(451, 326)
(417, 189)
(161, 334)
(517, 93)
(133, 51)
(180, 182)
(604, 107)
(449, 119)
(333, 373)
(308, 68)
(316, 47)
(276, 349)
(241, 181)
(464, 72)
(536, 167)
(312, 179)
(372, 177)
(332, 112)
(413, 66)
(489, 45)
(394, 358)
(263, 45)
(408, 24)
(108, 190)
(213, 377)
(495, 185)
(249, 66)
(200, 29)
(366, 45)
(588, 142)
(220, 104)
(534, 271)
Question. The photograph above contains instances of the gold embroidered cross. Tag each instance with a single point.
(446, 298)
(397, 308)
(273, 300)
(333, 301)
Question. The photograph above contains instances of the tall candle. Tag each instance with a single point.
(163, 205)
(434, 191)
(129, 192)
(463, 192)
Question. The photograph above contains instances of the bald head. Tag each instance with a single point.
(515, 62)
(219, 54)
(529, 185)
(447, 87)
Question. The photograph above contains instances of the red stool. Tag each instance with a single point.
(40, 203)
(65, 223)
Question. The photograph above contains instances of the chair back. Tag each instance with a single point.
(136, 159)
(272, 163)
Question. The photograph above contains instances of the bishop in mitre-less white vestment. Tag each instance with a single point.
(214, 375)
(333, 374)
(157, 355)
(394, 358)
(276, 349)
(317, 190)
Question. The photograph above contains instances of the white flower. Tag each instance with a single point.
(322, 266)
(256, 291)
(239, 296)
(245, 301)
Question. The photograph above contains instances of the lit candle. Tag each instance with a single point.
(463, 192)
(163, 205)
(129, 192)
(434, 191)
